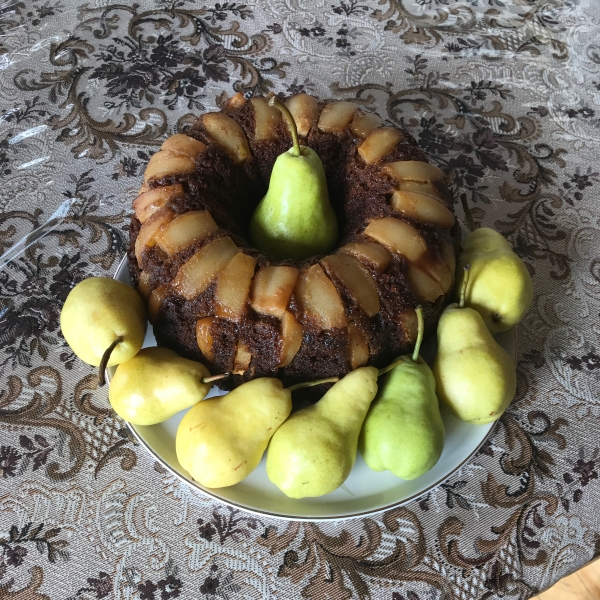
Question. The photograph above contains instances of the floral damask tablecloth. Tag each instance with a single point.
(505, 96)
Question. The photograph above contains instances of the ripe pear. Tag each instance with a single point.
(403, 431)
(475, 377)
(103, 319)
(313, 452)
(156, 384)
(295, 218)
(221, 440)
(500, 287)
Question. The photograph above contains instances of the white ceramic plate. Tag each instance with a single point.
(364, 492)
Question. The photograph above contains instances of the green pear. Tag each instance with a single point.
(156, 384)
(500, 287)
(295, 218)
(103, 319)
(313, 452)
(475, 377)
(403, 431)
(221, 440)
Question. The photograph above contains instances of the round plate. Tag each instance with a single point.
(363, 493)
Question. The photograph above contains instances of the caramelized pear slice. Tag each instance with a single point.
(409, 323)
(427, 189)
(364, 123)
(291, 338)
(266, 118)
(424, 286)
(147, 203)
(379, 143)
(413, 170)
(144, 285)
(228, 134)
(437, 270)
(183, 145)
(336, 116)
(166, 164)
(397, 236)
(319, 300)
(235, 101)
(242, 359)
(358, 345)
(195, 275)
(233, 287)
(144, 188)
(154, 303)
(304, 109)
(374, 255)
(184, 230)
(423, 208)
(204, 337)
(147, 235)
(449, 256)
(271, 290)
(355, 277)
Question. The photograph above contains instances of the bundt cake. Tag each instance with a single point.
(214, 298)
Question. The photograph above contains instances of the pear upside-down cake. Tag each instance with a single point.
(214, 298)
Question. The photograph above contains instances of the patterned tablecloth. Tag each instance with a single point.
(505, 96)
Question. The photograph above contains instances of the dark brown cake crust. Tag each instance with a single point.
(359, 192)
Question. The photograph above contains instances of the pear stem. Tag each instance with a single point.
(298, 386)
(468, 213)
(291, 123)
(420, 332)
(387, 369)
(214, 378)
(105, 359)
(463, 289)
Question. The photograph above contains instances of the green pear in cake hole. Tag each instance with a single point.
(295, 218)
(403, 431)
(313, 452)
(500, 287)
(156, 384)
(475, 377)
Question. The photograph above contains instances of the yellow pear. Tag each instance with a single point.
(156, 384)
(221, 440)
(475, 377)
(103, 319)
(500, 287)
(313, 452)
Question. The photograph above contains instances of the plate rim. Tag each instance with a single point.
(257, 511)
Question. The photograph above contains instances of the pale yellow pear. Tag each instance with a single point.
(313, 452)
(221, 440)
(98, 311)
(155, 385)
(500, 287)
(475, 377)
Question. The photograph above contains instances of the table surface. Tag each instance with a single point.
(581, 585)
(502, 95)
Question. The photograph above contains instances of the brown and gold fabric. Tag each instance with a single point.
(503, 95)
